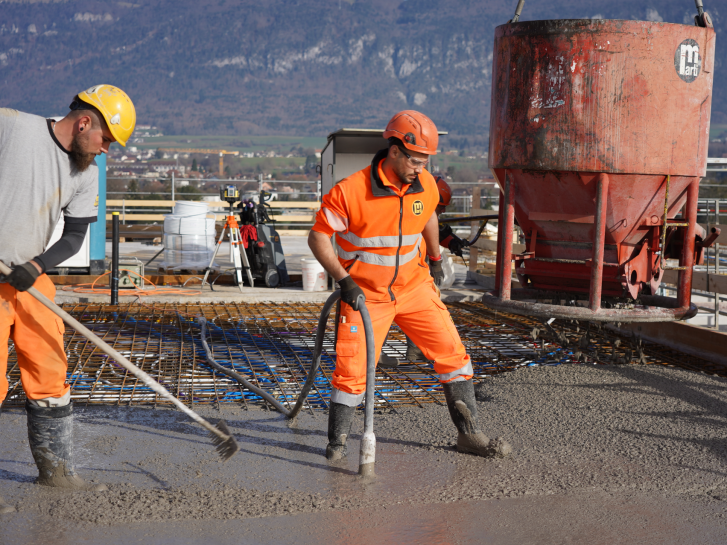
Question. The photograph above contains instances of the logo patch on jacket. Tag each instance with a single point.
(417, 208)
(354, 329)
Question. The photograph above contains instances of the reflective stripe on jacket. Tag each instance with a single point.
(379, 229)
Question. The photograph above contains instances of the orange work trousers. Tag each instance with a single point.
(38, 337)
(422, 316)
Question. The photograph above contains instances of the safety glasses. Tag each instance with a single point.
(416, 163)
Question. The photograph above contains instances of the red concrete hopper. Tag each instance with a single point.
(593, 122)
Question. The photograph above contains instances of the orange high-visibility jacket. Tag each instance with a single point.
(379, 229)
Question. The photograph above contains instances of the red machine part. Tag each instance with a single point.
(598, 138)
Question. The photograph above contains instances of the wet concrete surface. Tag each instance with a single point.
(606, 454)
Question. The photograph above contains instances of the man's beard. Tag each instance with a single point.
(402, 174)
(80, 159)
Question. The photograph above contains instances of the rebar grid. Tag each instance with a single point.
(271, 345)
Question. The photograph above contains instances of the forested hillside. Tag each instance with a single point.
(285, 66)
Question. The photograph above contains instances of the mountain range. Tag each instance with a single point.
(303, 67)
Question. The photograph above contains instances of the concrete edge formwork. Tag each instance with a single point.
(254, 295)
(708, 344)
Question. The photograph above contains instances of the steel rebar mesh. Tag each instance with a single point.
(272, 346)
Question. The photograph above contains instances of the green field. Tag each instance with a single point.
(715, 130)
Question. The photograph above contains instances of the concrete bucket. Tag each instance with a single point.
(598, 139)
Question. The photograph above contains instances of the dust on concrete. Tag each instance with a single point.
(104, 445)
(126, 504)
(604, 434)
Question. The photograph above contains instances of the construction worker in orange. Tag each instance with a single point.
(47, 170)
(385, 224)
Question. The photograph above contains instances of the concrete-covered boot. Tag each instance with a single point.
(5, 508)
(50, 434)
(388, 361)
(413, 354)
(460, 397)
(340, 419)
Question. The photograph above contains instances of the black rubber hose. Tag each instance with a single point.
(320, 335)
(202, 321)
(477, 236)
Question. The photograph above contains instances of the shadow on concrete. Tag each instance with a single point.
(713, 408)
(7, 475)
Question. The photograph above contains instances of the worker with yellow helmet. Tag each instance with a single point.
(47, 169)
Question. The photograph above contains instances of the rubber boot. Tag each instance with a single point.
(460, 398)
(388, 361)
(50, 434)
(413, 354)
(5, 508)
(340, 420)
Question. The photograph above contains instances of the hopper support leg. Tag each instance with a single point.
(504, 237)
(599, 239)
(498, 256)
(684, 294)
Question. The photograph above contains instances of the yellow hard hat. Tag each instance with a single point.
(116, 108)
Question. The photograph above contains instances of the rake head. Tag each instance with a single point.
(225, 447)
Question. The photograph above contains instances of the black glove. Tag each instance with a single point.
(23, 276)
(351, 294)
(435, 269)
(456, 245)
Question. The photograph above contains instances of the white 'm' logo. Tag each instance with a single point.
(689, 56)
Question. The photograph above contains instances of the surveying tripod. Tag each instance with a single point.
(231, 195)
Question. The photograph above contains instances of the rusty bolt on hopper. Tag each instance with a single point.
(598, 138)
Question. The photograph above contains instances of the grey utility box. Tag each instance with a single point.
(348, 151)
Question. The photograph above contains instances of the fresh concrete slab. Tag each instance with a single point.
(603, 454)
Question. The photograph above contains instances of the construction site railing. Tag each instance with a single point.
(175, 182)
(296, 216)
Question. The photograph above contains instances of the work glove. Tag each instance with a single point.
(456, 245)
(351, 294)
(23, 276)
(436, 270)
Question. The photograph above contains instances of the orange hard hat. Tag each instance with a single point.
(445, 192)
(416, 131)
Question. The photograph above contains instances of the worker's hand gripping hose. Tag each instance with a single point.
(221, 437)
(351, 293)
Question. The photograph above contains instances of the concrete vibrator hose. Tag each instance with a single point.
(367, 456)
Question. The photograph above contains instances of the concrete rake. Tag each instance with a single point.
(220, 434)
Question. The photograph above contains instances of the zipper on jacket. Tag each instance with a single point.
(398, 249)
(355, 259)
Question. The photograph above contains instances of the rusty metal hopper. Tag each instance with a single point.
(598, 138)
